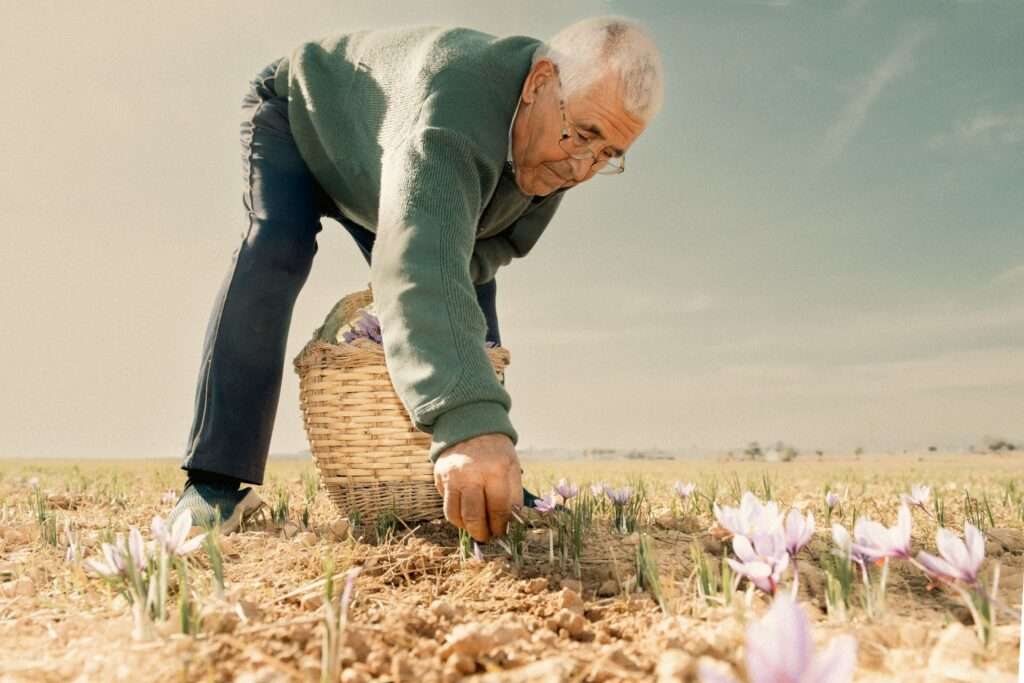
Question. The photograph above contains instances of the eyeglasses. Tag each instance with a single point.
(578, 147)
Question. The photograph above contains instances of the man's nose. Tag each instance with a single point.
(580, 168)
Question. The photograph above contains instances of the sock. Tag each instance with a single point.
(213, 479)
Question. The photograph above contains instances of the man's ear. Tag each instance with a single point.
(540, 74)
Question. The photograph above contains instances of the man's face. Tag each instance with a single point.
(595, 115)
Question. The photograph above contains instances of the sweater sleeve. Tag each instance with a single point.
(432, 327)
(516, 242)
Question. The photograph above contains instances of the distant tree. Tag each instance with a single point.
(753, 451)
(932, 449)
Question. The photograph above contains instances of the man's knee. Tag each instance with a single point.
(283, 246)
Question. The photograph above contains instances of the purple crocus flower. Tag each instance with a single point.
(959, 560)
(874, 541)
(175, 540)
(684, 490)
(597, 490)
(545, 504)
(780, 649)
(113, 563)
(762, 560)
(799, 530)
(619, 496)
(367, 326)
(750, 518)
(831, 499)
(918, 496)
(844, 543)
(566, 489)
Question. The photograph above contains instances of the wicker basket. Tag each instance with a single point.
(370, 457)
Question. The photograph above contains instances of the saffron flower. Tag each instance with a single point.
(780, 649)
(368, 326)
(545, 504)
(874, 541)
(113, 562)
(566, 489)
(959, 560)
(619, 496)
(762, 560)
(169, 497)
(597, 490)
(684, 490)
(831, 499)
(752, 517)
(799, 530)
(844, 543)
(918, 496)
(175, 540)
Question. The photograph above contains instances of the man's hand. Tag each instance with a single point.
(481, 481)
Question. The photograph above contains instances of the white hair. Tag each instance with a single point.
(587, 50)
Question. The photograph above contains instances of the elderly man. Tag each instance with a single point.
(445, 153)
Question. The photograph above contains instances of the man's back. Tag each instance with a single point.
(357, 97)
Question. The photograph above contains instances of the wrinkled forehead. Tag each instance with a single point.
(601, 109)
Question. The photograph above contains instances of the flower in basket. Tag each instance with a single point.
(367, 327)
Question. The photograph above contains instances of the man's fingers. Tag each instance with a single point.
(515, 484)
(497, 495)
(474, 513)
(453, 505)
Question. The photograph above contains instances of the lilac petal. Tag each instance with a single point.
(836, 664)
(101, 568)
(179, 530)
(901, 532)
(136, 547)
(937, 567)
(841, 537)
(975, 547)
(744, 550)
(190, 545)
(751, 570)
(953, 549)
(779, 647)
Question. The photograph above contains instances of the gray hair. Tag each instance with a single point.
(587, 50)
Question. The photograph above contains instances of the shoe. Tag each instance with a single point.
(201, 501)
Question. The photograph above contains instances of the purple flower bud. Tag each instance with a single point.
(566, 489)
(684, 490)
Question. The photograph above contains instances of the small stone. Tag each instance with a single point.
(536, 585)
(463, 663)
(674, 666)
(248, 611)
(574, 624)
(1012, 540)
(289, 529)
(442, 609)
(551, 670)
(711, 545)
(353, 676)
(476, 639)
(607, 589)
(340, 529)
(307, 538)
(573, 585)
(570, 600)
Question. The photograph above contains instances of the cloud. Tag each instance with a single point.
(851, 118)
(1000, 127)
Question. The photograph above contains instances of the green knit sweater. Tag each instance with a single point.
(408, 131)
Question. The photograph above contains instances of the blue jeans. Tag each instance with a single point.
(244, 347)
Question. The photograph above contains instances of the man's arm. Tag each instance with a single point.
(432, 327)
(514, 242)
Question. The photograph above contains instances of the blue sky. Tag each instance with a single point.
(820, 240)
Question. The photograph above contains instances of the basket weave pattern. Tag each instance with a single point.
(370, 457)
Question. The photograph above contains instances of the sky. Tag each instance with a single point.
(819, 240)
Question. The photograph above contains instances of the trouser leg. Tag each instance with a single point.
(244, 346)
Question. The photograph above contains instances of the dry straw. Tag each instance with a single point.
(370, 457)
